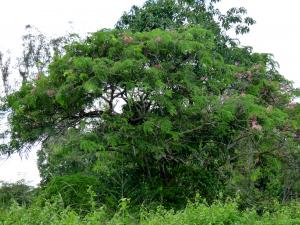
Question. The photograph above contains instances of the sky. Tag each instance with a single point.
(277, 31)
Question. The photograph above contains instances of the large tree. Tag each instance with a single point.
(161, 114)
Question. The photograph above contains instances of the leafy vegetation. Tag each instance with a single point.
(194, 213)
(163, 108)
(18, 192)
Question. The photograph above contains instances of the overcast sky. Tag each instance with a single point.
(277, 31)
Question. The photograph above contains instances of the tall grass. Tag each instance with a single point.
(194, 213)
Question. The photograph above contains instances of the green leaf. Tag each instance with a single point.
(165, 125)
(91, 87)
(88, 146)
(148, 127)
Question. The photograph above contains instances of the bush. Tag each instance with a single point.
(194, 213)
(75, 191)
(18, 192)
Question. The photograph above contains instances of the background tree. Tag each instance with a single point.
(5, 71)
(38, 51)
(36, 54)
(19, 192)
(172, 14)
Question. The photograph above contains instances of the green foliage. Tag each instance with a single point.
(190, 115)
(38, 52)
(194, 213)
(74, 191)
(173, 14)
(218, 213)
(169, 108)
(18, 192)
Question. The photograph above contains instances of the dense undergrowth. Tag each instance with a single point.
(193, 213)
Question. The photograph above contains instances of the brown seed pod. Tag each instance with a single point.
(127, 39)
(51, 92)
(238, 75)
(250, 75)
(158, 39)
(38, 76)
